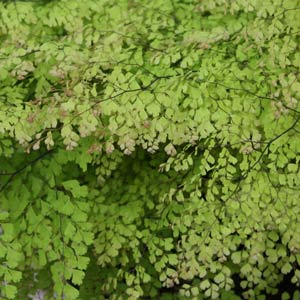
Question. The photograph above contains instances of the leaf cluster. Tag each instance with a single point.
(149, 149)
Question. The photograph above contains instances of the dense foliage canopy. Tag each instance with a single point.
(149, 149)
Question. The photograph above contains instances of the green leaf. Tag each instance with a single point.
(286, 268)
(70, 292)
(236, 257)
(246, 269)
(10, 291)
(219, 278)
(77, 276)
(205, 284)
(153, 109)
(75, 188)
(3, 215)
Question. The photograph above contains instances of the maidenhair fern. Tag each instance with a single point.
(149, 149)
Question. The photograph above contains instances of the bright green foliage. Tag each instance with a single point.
(149, 149)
